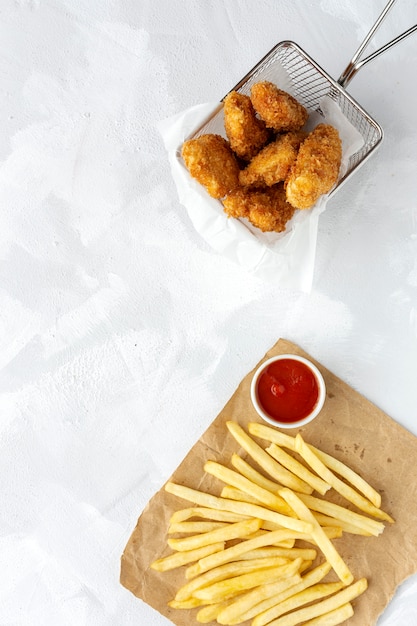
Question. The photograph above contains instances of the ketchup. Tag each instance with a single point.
(287, 390)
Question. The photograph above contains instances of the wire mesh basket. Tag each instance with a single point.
(288, 66)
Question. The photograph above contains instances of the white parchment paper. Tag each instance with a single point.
(286, 259)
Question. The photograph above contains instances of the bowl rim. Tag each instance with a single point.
(317, 407)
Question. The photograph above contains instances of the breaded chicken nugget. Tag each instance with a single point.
(277, 108)
(272, 163)
(267, 209)
(245, 132)
(316, 168)
(210, 160)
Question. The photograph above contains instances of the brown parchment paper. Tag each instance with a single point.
(349, 427)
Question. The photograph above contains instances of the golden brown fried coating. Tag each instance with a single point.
(267, 209)
(246, 133)
(272, 164)
(277, 108)
(210, 160)
(316, 168)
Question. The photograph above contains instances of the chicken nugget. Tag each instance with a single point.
(272, 164)
(277, 108)
(267, 209)
(245, 132)
(316, 168)
(210, 160)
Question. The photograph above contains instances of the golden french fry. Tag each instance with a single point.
(194, 527)
(252, 474)
(209, 613)
(227, 570)
(307, 554)
(298, 469)
(287, 441)
(177, 559)
(320, 608)
(326, 521)
(206, 513)
(234, 609)
(231, 553)
(272, 467)
(342, 513)
(311, 594)
(348, 474)
(236, 494)
(231, 531)
(251, 510)
(237, 584)
(273, 595)
(189, 603)
(318, 534)
(230, 477)
(342, 488)
(332, 618)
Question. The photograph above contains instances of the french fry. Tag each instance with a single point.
(281, 439)
(307, 554)
(252, 474)
(251, 510)
(332, 618)
(189, 603)
(318, 534)
(194, 527)
(206, 513)
(326, 521)
(298, 469)
(227, 570)
(231, 531)
(177, 559)
(273, 594)
(237, 584)
(311, 594)
(234, 610)
(342, 488)
(230, 477)
(342, 513)
(272, 467)
(237, 494)
(231, 553)
(324, 606)
(209, 613)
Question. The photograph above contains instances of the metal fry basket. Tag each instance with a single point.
(309, 83)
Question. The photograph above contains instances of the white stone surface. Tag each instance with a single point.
(122, 333)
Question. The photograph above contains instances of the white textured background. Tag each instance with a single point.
(122, 333)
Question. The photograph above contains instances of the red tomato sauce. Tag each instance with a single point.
(287, 390)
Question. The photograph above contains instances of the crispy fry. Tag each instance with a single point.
(206, 513)
(235, 479)
(269, 464)
(189, 603)
(237, 584)
(245, 132)
(323, 607)
(177, 559)
(301, 598)
(273, 595)
(318, 534)
(210, 160)
(272, 434)
(236, 494)
(316, 168)
(298, 469)
(326, 521)
(231, 553)
(332, 618)
(277, 108)
(251, 510)
(231, 531)
(345, 490)
(252, 474)
(234, 568)
(194, 527)
(209, 613)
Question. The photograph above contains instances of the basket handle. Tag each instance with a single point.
(356, 64)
